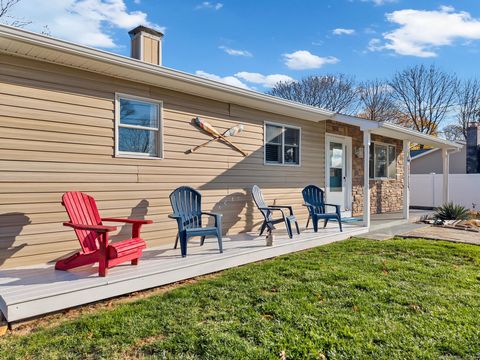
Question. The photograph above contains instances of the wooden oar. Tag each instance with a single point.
(230, 132)
(211, 130)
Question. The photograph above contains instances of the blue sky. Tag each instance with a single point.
(255, 43)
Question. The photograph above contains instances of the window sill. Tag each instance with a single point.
(382, 179)
(128, 156)
(275, 164)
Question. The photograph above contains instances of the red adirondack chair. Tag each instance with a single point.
(93, 236)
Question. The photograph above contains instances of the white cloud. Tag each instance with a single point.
(303, 60)
(241, 78)
(421, 32)
(235, 52)
(267, 81)
(341, 31)
(87, 22)
(375, 45)
(230, 80)
(380, 2)
(209, 5)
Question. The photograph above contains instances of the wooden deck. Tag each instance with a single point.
(32, 291)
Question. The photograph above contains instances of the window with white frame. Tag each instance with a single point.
(138, 127)
(383, 161)
(282, 144)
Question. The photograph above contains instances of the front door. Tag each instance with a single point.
(338, 178)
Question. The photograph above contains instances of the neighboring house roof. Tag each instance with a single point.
(420, 152)
(19, 42)
(416, 154)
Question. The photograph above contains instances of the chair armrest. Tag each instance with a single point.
(290, 208)
(179, 221)
(337, 207)
(97, 228)
(218, 217)
(270, 208)
(128, 221)
(211, 214)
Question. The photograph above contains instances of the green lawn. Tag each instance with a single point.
(397, 299)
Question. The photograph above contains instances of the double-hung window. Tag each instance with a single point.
(282, 144)
(383, 161)
(138, 127)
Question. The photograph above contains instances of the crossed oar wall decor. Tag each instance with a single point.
(235, 130)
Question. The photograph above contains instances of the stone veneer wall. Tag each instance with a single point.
(385, 195)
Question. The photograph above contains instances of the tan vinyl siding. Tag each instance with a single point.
(57, 134)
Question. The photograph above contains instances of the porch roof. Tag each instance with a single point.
(19, 42)
(397, 132)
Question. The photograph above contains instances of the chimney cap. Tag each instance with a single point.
(148, 30)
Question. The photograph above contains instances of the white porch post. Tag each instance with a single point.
(366, 178)
(446, 170)
(406, 179)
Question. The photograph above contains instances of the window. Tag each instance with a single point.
(138, 127)
(282, 144)
(383, 161)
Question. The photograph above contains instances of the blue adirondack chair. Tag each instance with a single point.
(187, 210)
(268, 220)
(314, 201)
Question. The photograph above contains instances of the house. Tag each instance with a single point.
(65, 126)
(426, 167)
(427, 161)
(119, 128)
(464, 161)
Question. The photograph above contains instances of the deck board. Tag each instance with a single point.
(36, 290)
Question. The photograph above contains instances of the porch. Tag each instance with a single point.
(374, 169)
(36, 290)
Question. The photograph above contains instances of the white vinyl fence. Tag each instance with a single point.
(426, 190)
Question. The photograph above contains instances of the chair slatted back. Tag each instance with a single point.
(82, 209)
(260, 202)
(313, 195)
(187, 203)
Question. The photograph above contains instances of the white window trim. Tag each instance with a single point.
(375, 162)
(265, 162)
(134, 155)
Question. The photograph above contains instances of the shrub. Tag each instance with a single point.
(452, 212)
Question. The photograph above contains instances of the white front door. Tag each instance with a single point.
(338, 172)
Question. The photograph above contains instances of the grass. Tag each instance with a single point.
(360, 299)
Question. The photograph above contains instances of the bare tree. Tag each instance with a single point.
(453, 132)
(5, 17)
(5, 6)
(468, 104)
(425, 95)
(332, 92)
(376, 101)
